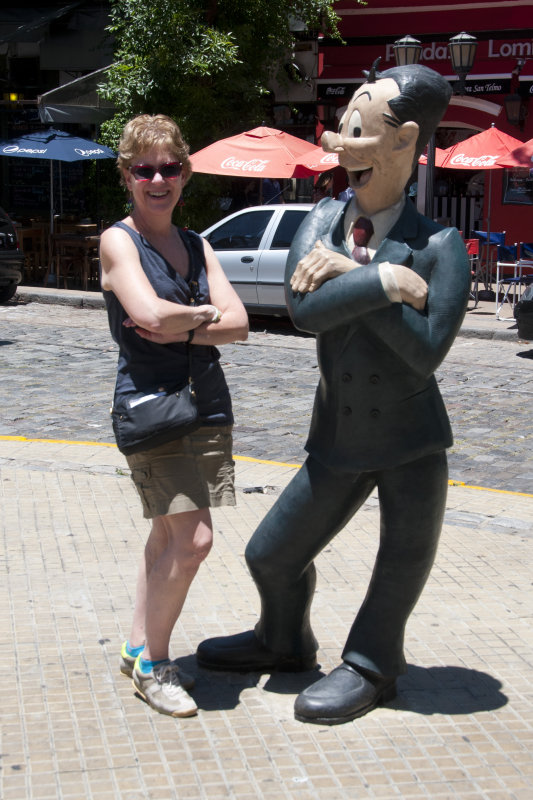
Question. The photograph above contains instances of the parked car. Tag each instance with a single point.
(252, 245)
(11, 258)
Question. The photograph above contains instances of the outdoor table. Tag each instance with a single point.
(73, 252)
(33, 243)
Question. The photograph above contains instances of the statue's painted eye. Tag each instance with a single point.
(354, 125)
(341, 123)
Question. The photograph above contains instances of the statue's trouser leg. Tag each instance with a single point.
(315, 506)
(412, 503)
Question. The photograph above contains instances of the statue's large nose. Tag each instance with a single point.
(331, 142)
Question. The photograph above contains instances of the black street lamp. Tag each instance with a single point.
(515, 110)
(462, 53)
(515, 104)
(407, 51)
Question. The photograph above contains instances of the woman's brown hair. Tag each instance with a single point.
(146, 131)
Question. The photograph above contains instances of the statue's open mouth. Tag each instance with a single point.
(360, 177)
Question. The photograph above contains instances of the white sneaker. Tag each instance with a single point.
(162, 689)
(127, 664)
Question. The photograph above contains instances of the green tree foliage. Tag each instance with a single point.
(206, 63)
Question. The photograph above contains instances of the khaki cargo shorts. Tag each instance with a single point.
(196, 471)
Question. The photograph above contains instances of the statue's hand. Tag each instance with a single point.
(317, 267)
(413, 288)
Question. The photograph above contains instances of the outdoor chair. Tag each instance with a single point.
(507, 280)
(526, 253)
(33, 243)
(525, 263)
(488, 254)
(472, 249)
(514, 271)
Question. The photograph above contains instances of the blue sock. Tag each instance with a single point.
(147, 666)
(133, 651)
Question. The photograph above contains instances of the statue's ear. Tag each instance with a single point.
(406, 135)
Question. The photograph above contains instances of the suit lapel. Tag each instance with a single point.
(394, 247)
(393, 251)
(333, 233)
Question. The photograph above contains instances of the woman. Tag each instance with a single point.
(146, 265)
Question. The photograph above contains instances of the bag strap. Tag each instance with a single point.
(191, 382)
(197, 263)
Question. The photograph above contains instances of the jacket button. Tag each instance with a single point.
(375, 413)
(346, 378)
(346, 411)
(375, 379)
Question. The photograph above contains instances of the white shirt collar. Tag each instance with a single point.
(382, 221)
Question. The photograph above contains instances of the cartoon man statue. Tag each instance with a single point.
(385, 291)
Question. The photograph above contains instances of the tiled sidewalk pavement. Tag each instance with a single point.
(72, 728)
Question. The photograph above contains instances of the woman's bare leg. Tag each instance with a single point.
(176, 546)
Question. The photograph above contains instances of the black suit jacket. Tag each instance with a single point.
(377, 404)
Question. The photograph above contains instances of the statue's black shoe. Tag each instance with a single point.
(341, 696)
(243, 652)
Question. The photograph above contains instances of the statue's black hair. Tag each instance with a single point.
(424, 97)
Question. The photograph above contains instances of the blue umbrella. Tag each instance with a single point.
(54, 145)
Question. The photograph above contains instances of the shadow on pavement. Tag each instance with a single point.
(435, 690)
(221, 691)
(448, 690)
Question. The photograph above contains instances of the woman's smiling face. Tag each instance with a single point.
(158, 194)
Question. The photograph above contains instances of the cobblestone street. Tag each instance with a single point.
(58, 366)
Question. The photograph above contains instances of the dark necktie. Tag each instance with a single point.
(362, 232)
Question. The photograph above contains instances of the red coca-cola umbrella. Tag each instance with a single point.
(258, 153)
(480, 152)
(317, 160)
(521, 157)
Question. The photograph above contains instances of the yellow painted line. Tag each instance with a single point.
(250, 459)
(485, 489)
(54, 441)
(264, 461)
(450, 482)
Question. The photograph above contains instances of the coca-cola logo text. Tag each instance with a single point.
(253, 165)
(471, 161)
(329, 158)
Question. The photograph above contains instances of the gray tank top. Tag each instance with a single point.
(142, 364)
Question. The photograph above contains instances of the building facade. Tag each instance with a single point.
(502, 68)
(46, 44)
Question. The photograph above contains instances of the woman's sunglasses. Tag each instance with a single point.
(145, 172)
